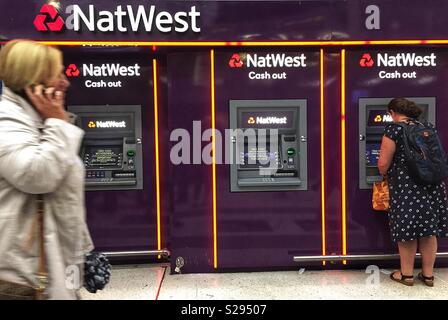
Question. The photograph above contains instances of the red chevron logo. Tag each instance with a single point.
(72, 70)
(366, 61)
(48, 19)
(236, 61)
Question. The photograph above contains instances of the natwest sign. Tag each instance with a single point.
(122, 19)
(110, 124)
(104, 70)
(275, 60)
(285, 61)
(271, 120)
(110, 69)
(406, 60)
(399, 60)
(404, 65)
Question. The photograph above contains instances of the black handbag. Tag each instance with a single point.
(15, 291)
(97, 271)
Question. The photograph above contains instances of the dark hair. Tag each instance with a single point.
(405, 107)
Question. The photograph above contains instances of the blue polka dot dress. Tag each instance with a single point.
(416, 211)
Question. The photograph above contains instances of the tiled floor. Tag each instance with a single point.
(144, 282)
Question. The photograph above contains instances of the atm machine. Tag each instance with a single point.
(111, 149)
(373, 118)
(269, 145)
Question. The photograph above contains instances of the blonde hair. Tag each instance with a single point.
(24, 63)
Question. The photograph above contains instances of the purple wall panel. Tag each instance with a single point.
(266, 229)
(332, 105)
(254, 229)
(368, 230)
(191, 221)
(121, 220)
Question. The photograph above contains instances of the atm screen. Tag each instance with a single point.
(103, 156)
(258, 157)
(378, 118)
(372, 154)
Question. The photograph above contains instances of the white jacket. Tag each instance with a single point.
(39, 157)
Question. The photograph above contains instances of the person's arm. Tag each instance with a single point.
(387, 152)
(37, 163)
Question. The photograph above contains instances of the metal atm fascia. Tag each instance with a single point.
(299, 130)
(428, 104)
(127, 176)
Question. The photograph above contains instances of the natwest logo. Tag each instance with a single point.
(103, 70)
(268, 120)
(110, 69)
(122, 19)
(366, 61)
(275, 60)
(385, 118)
(268, 60)
(236, 61)
(109, 124)
(48, 19)
(398, 60)
(406, 60)
(72, 70)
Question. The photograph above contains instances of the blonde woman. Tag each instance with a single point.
(39, 156)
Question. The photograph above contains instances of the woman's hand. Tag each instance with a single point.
(48, 102)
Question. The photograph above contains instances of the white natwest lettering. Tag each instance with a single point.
(108, 70)
(275, 60)
(107, 21)
(387, 118)
(111, 124)
(406, 60)
(271, 120)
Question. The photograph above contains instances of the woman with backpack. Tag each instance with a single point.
(418, 211)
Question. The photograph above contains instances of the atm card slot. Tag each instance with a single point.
(285, 174)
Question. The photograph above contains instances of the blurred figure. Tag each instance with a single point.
(39, 156)
(1, 45)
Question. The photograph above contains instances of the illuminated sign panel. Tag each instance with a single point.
(274, 66)
(113, 123)
(379, 118)
(122, 19)
(398, 61)
(267, 119)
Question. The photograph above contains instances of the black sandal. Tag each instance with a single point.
(429, 281)
(403, 278)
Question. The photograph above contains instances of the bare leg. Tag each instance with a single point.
(407, 250)
(428, 249)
